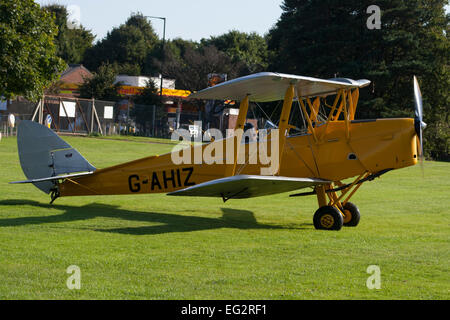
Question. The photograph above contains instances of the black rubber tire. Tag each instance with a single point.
(355, 215)
(328, 218)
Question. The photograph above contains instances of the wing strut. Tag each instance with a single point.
(284, 122)
(238, 132)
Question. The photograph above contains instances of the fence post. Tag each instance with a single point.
(96, 118)
(36, 110)
(92, 115)
(41, 111)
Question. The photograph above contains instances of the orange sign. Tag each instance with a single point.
(133, 91)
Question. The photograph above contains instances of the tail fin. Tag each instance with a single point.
(43, 156)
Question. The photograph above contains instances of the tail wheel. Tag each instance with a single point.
(328, 218)
(351, 215)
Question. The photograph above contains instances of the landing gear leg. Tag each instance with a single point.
(326, 218)
(54, 194)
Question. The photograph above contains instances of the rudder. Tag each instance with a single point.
(43, 154)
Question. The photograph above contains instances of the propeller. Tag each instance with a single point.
(419, 125)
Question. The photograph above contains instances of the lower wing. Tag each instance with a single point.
(247, 186)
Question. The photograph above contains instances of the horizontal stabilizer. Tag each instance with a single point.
(55, 178)
(247, 186)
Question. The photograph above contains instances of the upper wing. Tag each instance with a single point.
(247, 186)
(270, 86)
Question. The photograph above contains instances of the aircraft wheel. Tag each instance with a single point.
(328, 218)
(351, 215)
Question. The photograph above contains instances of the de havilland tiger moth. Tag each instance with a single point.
(333, 147)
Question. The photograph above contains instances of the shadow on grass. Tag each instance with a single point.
(231, 218)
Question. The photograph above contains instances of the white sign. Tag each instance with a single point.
(11, 121)
(108, 112)
(194, 130)
(233, 111)
(48, 120)
(70, 108)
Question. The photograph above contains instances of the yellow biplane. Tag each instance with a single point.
(332, 147)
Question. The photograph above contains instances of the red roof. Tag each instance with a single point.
(75, 74)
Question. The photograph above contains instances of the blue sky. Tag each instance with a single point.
(186, 19)
(194, 19)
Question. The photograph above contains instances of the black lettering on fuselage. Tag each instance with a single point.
(179, 178)
(174, 177)
(134, 187)
(155, 181)
(187, 183)
(171, 178)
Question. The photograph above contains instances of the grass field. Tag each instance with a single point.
(159, 247)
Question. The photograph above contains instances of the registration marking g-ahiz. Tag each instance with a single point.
(162, 180)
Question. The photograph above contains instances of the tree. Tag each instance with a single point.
(28, 60)
(174, 50)
(191, 64)
(71, 43)
(128, 45)
(249, 49)
(328, 39)
(102, 85)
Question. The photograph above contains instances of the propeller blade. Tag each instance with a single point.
(418, 120)
(418, 100)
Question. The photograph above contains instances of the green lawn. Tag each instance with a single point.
(159, 247)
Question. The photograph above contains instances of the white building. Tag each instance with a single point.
(141, 81)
